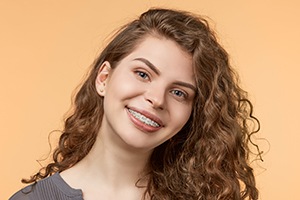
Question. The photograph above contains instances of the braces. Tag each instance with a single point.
(143, 119)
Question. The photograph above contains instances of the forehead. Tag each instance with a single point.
(166, 55)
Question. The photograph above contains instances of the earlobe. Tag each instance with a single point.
(102, 78)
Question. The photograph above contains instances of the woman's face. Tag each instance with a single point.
(148, 97)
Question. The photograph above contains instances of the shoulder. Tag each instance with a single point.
(53, 187)
(24, 194)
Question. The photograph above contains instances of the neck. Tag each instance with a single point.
(110, 164)
(116, 164)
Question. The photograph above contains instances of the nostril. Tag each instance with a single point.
(151, 102)
(156, 104)
(156, 98)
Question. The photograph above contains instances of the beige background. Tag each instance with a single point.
(46, 47)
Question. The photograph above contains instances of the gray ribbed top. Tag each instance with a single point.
(50, 188)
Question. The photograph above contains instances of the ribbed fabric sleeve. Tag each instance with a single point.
(50, 188)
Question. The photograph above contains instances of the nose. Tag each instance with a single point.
(156, 97)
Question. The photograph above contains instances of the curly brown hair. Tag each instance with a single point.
(209, 158)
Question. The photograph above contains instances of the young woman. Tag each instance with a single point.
(160, 116)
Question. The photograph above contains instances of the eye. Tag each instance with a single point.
(179, 94)
(142, 75)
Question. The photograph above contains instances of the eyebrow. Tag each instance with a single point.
(188, 85)
(156, 71)
(149, 64)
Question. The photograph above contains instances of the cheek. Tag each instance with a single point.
(120, 86)
(120, 95)
(181, 115)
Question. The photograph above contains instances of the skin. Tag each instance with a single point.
(155, 80)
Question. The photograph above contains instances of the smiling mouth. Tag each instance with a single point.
(143, 118)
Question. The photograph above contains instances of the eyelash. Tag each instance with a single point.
(181, 95)
(142, 75)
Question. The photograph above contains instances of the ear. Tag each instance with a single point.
(102, 78)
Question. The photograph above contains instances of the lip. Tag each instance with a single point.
(142, 126)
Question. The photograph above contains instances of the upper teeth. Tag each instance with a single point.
(143, 119)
